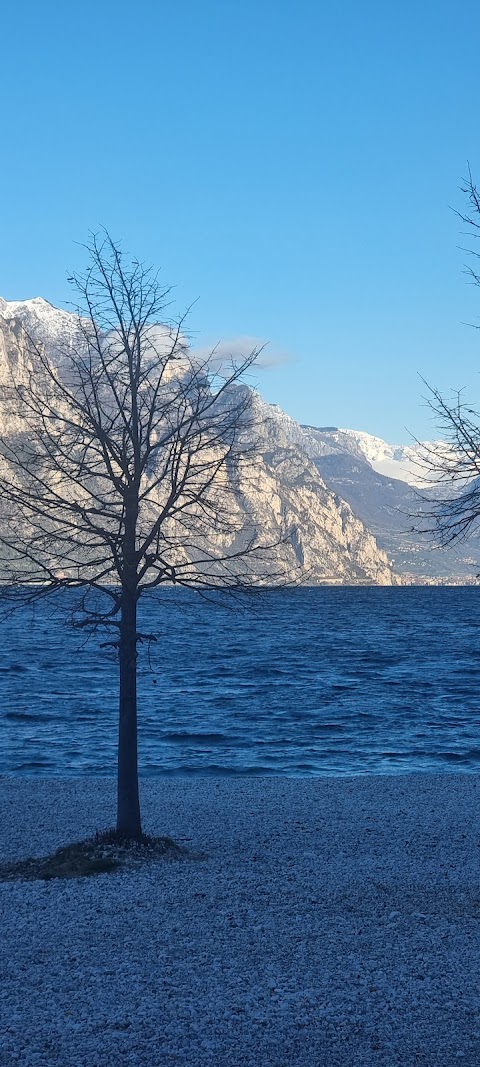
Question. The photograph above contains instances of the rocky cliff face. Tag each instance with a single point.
(380, 483)
(283, 494)
(12, 348)
(327, 540)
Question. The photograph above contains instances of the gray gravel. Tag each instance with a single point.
(334, 922)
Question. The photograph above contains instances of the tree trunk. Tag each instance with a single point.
(128, 802)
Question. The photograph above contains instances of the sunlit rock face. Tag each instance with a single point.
(387, 487)
(327, 540)
(282, 495)
(12, 347)
(48, 325)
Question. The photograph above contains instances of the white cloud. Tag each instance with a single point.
(238, 348)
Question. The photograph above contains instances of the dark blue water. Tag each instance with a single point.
(305, 681)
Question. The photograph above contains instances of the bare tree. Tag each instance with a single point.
(118, 459)
(450, 507)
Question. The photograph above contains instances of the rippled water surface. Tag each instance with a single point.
(304, 681)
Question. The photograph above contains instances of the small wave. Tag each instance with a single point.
(32, 765)
(199, 738)
(211, 770)
(454, 757)
(327, 727)
(24, 716)
(266, 672)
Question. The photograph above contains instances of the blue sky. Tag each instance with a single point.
(289, 164)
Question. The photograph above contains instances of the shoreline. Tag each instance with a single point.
(77, 802)
(333, 921)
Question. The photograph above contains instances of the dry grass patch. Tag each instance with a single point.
(105, 853)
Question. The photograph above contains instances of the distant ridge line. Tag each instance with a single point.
(321, 429)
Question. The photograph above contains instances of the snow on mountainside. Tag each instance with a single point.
(286, 497)
(402, 462)
(379, 482)
(42, 320)
(57, 328)
(394, 461)
(333, 487)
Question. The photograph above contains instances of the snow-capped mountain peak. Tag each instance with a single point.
(58, 329)
(402, 462)
(37, 304)
(54, 326)
(394, 461)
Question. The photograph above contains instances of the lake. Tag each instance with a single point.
(326, 680)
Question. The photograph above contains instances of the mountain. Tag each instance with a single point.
(285, 495)
(381, 484)
(345, 496)
(42, 321)
(401, 462)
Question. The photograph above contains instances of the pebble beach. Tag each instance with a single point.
(331, 922)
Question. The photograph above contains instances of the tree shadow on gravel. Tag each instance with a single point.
(104, 853)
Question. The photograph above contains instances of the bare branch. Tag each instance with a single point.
(449, 503)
